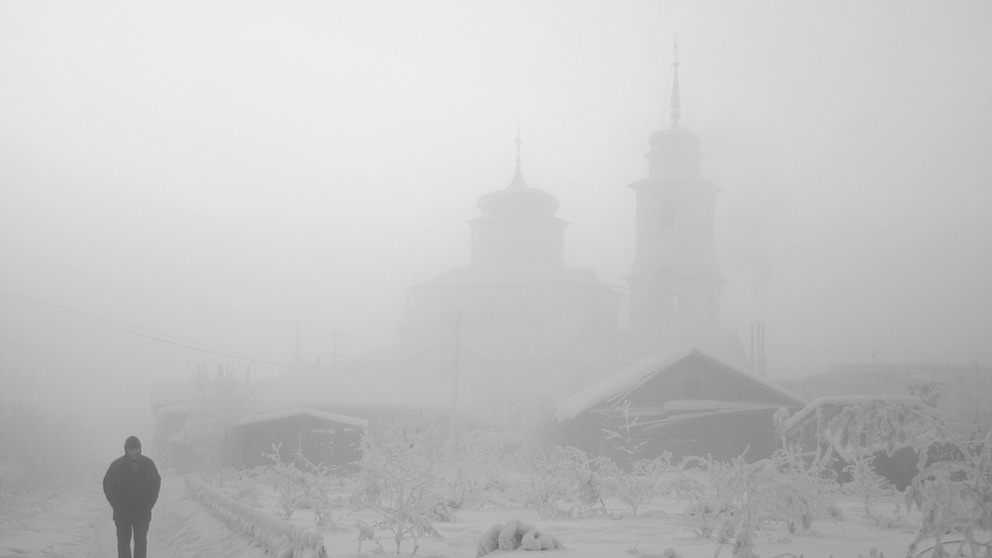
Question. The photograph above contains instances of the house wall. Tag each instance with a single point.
(319, 441)
(721, 436)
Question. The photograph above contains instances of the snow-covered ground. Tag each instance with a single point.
(77, 523)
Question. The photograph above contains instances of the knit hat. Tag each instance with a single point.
(132, 442)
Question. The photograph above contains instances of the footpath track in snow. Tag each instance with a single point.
(74, 523)
(77, 523)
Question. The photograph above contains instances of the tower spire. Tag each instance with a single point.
(676, 103)
(518, 177)
(518, 141)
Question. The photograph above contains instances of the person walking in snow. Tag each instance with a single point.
(131, 485)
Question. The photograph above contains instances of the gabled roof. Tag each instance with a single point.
(631, 377)
(286, 413)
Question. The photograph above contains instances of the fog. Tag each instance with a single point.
(239, 181)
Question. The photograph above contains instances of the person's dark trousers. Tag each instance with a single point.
(124, 529)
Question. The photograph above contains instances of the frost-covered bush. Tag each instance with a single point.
(633, 481)
(514, 535)
(477, 471)
(867, 483)
(733, 501)
(634, 486)
(954, 496)
(281, 538)
(288, 481)
(563, 483)
(300, 484)
(399, 478)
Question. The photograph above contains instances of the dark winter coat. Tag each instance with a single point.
(132, 487)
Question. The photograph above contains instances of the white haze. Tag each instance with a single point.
(214, 173)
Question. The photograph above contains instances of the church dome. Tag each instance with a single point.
(672, 137)
(518, 198)
(530, 201)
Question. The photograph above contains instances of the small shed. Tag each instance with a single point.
(684, 402)
(319, 436)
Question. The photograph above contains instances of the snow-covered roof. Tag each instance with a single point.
(286, 413)
(847, 401)
(634, 375)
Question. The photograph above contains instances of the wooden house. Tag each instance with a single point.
(684, 402)
(321, 437)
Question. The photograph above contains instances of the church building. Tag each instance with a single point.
(675, 280)
(517, 329)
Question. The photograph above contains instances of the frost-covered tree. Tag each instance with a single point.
(400, 478)
(954, 496)
(224, 397)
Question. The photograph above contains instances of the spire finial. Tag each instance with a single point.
(518, 177)
(676, 103)
(518, 141)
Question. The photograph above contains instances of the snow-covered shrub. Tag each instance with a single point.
(564, 484)
(513, 535)
(880, 425)
(477, 469)
(299, 484)
(399, 478)
(736, 500)
(288, 481)
(954, 496)
(633, 487)
(280, 537)
(632, 481)
(813, 478)
(867, 483)
(704, 513)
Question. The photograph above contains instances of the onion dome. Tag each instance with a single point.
(517, 198)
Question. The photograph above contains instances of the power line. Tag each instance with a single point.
(133, 330)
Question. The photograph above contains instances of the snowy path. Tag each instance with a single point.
(75, 523)
(78, 524)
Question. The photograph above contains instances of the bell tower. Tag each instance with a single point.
(675, 281)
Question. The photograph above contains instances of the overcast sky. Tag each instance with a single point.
(215, 172)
